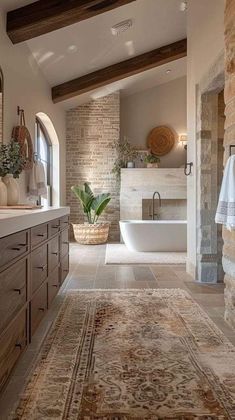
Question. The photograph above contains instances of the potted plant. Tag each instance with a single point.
(11, 165)
(151, 160)
(91, 232)
(126, 156)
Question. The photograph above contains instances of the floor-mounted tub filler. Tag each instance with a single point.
(154, 235)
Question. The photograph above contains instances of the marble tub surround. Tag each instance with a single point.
(12, 221)
(140, 183)
(170, 209)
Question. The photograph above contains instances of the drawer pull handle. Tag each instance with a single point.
(55, 285)
(65, 269)
(54, 253)
(18, 345)
(18, 290)
(41, 234)
(42, 268)
(55, 227)
(18, 248)
(66, 242)
(41, 309)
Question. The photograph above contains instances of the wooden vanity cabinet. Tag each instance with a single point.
(33, 265)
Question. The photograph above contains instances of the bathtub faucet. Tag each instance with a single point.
(160, 203)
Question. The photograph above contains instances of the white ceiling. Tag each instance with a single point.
(89, 45)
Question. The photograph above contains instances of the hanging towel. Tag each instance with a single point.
(40, 179)
(32, 186)
(37, 181)
(225, 214)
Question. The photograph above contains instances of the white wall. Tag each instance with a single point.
(24, 85)
(162, 105)
(205, 34)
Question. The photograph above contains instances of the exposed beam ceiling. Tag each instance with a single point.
(45, 16)
(119, 71)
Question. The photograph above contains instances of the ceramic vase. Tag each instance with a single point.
(3, 193)
(152, 165)
(12, 190)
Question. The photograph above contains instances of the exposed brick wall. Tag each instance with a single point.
(92, 130)
(229, 95)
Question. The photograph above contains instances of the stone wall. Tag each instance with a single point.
(229, 138)
(210, 131)
(92, 130)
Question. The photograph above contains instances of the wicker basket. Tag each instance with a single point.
(89, 234)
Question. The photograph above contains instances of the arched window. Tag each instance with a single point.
(43, 149)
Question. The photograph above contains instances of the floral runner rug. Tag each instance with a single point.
(131, 354)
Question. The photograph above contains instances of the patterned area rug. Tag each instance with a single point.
(133, 354)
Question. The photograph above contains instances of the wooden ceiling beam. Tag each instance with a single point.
(119, 71)
(45, 16)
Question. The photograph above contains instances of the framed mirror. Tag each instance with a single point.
(1, 105)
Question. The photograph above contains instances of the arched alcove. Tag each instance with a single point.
(51, 132)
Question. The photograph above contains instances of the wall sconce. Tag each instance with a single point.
(183, 139)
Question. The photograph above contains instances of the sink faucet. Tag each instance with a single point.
(160, 203)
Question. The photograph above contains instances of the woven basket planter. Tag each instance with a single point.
(89, 234)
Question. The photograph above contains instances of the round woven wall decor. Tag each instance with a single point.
(161, 140)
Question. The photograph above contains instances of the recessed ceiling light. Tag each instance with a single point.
(168, 71)
(121, 27)
(72, 48)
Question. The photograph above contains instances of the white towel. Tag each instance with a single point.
(37, 181)
(40, 179)
(225, 214)
(32, 187)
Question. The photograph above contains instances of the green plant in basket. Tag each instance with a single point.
(93, 206)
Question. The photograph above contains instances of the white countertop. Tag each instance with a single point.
(12, 221)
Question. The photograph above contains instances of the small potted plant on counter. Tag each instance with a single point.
(151, 160)
(91, 232)
(12, 164)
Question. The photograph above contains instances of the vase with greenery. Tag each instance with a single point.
(151, 160)
(11, 165)
(126, 153)
(93, 206)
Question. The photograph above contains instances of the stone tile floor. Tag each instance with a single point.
(87, 271)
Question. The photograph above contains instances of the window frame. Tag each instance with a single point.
(40, 128)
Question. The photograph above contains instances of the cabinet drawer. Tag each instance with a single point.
(13, 291)
(53, 254)
(38, 307)
(54, 227)
(14, 246)
(64, 268)
(53, 285)
(38, 267)
(64, 222)
(13, 342)
(39, 234)
(64, 243)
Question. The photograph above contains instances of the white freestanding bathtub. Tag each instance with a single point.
(154, 235)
